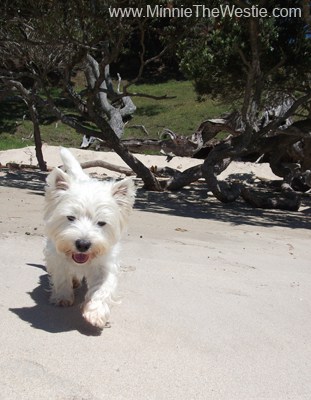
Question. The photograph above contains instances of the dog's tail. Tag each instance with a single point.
(71, 165)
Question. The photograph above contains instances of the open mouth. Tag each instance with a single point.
(80, 258)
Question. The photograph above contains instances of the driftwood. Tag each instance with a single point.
(173, 144)
(287, 150)
(17, 166)
(106, 165)
(289, 201)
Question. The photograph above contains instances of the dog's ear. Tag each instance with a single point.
(58, 180)
(124, 193)
(72, 165)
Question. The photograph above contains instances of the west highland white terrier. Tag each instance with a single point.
(84, 220)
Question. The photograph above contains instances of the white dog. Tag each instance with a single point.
(84, 222)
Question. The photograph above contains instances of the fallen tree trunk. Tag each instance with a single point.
(259, 198)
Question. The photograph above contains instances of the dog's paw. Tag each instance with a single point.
(96, 313)
(65, 303)
(75, 283)
(62, 302)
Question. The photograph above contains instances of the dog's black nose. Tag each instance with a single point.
(83, 245)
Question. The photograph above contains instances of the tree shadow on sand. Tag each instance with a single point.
(190, 202)
(23, 179)
(196, 202)
(49, 318)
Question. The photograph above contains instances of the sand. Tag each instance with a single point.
(215, 299)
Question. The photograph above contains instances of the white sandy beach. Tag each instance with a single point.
(215, 299)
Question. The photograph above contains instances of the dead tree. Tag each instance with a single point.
(99, 80)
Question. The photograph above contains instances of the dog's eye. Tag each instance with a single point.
(101, 223)
(71, 218)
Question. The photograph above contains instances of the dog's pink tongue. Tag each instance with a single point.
(80, 258)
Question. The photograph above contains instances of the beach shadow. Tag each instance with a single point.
(52, 319)
(23, 179)
(196, 202)
(191, 202)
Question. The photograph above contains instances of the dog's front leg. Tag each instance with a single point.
(61, 284)
(100, 291)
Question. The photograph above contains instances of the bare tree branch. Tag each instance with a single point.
(107, 165)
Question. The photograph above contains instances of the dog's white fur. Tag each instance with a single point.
(84, 221)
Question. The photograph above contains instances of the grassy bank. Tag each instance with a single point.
(181, 114)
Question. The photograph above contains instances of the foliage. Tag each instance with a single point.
(217, 54)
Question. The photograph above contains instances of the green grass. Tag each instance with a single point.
(181, 114)
(16, 129)
(8, 142)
